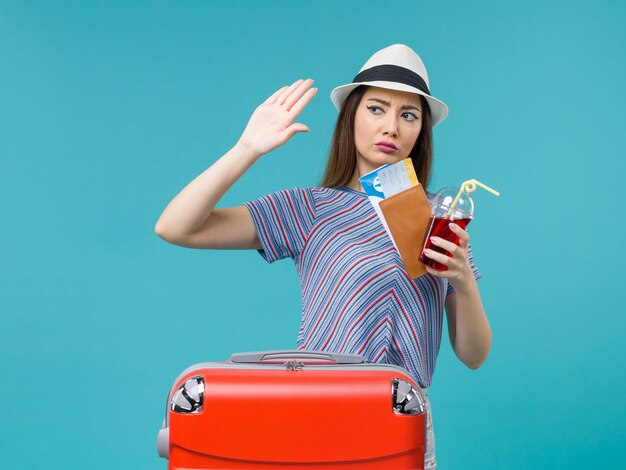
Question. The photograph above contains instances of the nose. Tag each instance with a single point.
(391, 126)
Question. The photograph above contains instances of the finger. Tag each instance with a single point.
(297, 127)
(445, 244)
(292, 130)
(283, 96)
(273, 98)
(462, 234)
(435, 256)
(297, 93)
(302, 102)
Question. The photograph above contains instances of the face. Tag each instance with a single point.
(385, 117)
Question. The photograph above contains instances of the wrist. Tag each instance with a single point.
(465, 282)
(246, 152)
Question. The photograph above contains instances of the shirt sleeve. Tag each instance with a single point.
(477, 274)
(283, 221)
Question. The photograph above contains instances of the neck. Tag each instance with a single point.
(354, 182)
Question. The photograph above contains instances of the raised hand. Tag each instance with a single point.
(271, 124)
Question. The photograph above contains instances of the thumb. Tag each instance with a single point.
(297, 127)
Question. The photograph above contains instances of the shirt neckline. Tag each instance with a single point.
(350, 190)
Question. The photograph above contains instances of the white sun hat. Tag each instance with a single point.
(396, 67)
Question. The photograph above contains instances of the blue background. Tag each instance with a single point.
(109, 108)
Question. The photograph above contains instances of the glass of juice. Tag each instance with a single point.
(440, 219)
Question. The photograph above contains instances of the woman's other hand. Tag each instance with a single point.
(271, 124)
(459, 270)
(468, 327)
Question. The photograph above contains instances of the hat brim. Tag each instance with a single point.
(438, 109)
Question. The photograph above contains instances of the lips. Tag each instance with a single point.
(386, 147)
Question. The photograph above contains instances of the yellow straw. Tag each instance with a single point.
(470, 187)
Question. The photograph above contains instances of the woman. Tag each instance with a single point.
(357, 296)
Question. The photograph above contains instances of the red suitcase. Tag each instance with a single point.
(294, 409)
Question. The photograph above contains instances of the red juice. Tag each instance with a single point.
(439, 227)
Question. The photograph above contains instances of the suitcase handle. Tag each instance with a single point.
(306, 355)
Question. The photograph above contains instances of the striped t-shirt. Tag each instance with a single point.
(356, 295)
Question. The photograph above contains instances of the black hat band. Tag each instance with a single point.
(392, 73)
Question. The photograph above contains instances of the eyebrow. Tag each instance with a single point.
(387, 103)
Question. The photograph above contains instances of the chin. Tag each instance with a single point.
(377, 158)
(388, 158)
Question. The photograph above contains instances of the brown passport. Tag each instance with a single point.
(408, 216)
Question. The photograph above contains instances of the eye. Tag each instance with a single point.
(413, 117)
(372, 108)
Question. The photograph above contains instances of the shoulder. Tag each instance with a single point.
(327, 194)
(316, 194)
(312, 198)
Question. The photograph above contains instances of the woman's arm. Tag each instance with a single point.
(191, 219)
(468, 327)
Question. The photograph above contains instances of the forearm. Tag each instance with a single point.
(194, 204)
(472, 340)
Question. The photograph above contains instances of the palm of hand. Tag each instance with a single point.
(271, 125)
